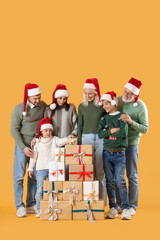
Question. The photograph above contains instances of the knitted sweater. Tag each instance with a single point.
(64, 122)
(117, 140)
(24, 128)
(139, 116)
(44, 152)
(88, 118)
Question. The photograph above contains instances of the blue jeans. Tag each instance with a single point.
(132, 175)
(93, 139)
(20, 163)
(114, 167)
(41, 175)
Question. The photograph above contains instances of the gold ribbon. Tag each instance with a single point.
(52, 208)
(72, 141)
(81, 155)
(54, 197)
(89, 213)
(73, 192)
(59, 155)
(92, 195)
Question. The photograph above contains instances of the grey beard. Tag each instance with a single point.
(128, 100)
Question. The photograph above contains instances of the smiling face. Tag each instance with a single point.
(46, 133)
(128, 96)
(35, 100)
(108, 107)
(89, 94)
(61, 100)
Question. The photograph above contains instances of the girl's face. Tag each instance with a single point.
(108, 107)
(89, 94)
(61, 101)
(46, 133)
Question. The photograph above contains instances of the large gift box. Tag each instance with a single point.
(56, 171)
(62, 210)
(81, 172)
(72, 191)
(54, 188)
(91, 190)
(88, 210)
(78, 154)
(59, 154)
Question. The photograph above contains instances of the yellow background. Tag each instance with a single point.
(68, 41)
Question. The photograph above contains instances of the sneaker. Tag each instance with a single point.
(119, 209)
(112, 213)
(21, 212)
(132, 211)
(31, 209)
(38, 214)
(126, 215)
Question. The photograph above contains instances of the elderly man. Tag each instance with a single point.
(24, 124)
(136, 115)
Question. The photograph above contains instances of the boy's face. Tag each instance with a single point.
(108, 107)
(35, 100)
(46, 133)
(61, 100)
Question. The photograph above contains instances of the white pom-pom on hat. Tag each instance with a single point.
(100, 103)
(113, 102)
(135, 104)
(52, 106)
(24, 114)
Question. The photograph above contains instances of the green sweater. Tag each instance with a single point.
(139, 116)
(117, 140)
(24, 128)
(88, 118)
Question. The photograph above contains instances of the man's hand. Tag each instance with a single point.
(33, 142)
(30, 173)
(126, 118)
(28, 152)
(113, 130)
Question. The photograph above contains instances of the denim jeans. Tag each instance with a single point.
(20, 163)
(132, 175)
(114, 166)
(41, 175)
(93, 139)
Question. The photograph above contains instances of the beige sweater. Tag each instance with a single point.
(44, 152)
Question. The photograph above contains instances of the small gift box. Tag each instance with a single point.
(62, 210)
(72, 191)
(78, 154)
(88, 210)
(81, 172)
(54, 188)
(59, 154)
(73, 141)
(56, 171)
(91, 190)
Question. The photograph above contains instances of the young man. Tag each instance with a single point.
(24, 124)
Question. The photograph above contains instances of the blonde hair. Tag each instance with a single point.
(95, 102)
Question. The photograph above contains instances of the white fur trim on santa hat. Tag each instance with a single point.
(24, 114)
(89, 85)
(45, 126)
(60, 93)
(132, 88)
(34, 92)
(52, 106)
(108, 98)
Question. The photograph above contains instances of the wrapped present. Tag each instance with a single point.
(62, 210)
(78, 154)
(88, 210)
(72, 191)
(54, 188)
(56, 171)
(59, 154)
(73, 141)
(81, 172)
(91, 190)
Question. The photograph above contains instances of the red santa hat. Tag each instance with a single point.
(134, 86)
(111, 97)
(30, 89)
(59, 91)
(92, 83)
(44, 124)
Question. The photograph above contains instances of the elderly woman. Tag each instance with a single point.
(89, 113)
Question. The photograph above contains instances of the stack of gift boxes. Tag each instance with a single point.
(77, 198)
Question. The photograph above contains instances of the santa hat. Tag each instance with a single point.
(44, 124)
(92, 83)
(111, 97)
(30, 89)
(59, 91)
(134, 86)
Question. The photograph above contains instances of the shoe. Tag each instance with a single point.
(126, 215)
(21, 212)
(38, 214)
(119, 209)
(31, 209)
(112, 213)
(132, 211)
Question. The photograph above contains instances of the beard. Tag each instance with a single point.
(128, 100)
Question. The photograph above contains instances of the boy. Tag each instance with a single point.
(114, 131)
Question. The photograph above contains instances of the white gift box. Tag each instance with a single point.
(56, 171)
(59, 154)
(91, 190)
